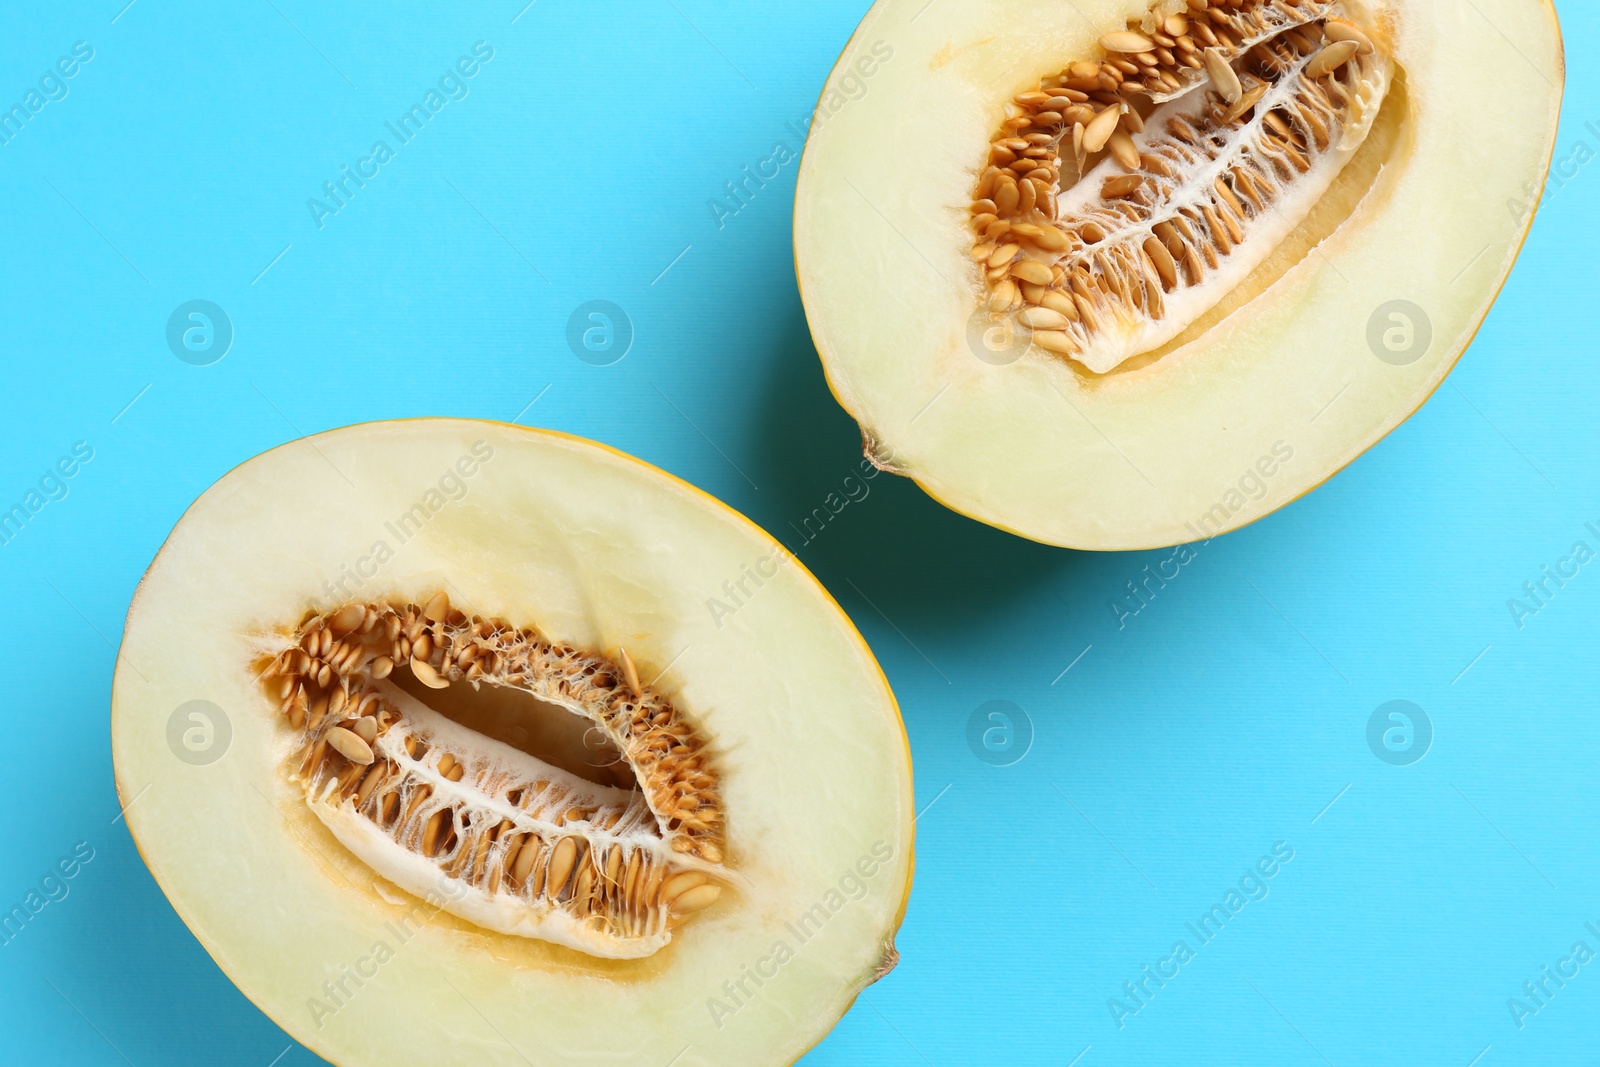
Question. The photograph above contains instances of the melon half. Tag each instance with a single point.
(1113, 275)
(446, 740)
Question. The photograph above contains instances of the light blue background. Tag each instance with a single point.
(1226, 716)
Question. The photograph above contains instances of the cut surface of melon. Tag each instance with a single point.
(434, 735)
(1121, 274)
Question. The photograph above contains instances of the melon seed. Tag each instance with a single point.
(1269, 116)
(349, 745)
(529, 833)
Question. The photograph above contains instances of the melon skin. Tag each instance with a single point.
(1171, 449)
(595, 548)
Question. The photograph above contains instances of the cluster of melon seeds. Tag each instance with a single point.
(524, 847)
(1128, 195)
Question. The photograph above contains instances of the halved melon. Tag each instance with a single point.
(444, 739)
(1117, 274)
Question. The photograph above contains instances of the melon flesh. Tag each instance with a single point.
(598, 551)
(1262, 397)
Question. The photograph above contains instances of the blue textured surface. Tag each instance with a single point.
(1228, 715)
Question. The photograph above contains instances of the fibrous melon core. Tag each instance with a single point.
(1127, 196)
(607, 859)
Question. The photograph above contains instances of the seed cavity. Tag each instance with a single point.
(609, 864)
(1130, 194)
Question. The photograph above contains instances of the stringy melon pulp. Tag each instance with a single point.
(1117, 274)
(428, 734)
